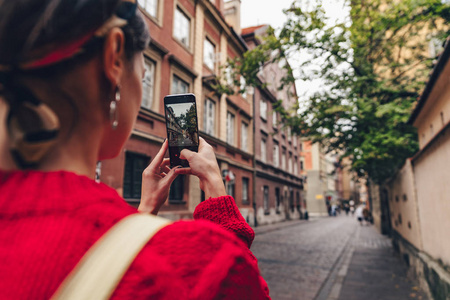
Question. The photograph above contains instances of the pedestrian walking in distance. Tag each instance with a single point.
(70, 91)
(359, 214)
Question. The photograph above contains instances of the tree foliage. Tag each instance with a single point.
(373, 66)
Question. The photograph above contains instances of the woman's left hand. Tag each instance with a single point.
(156, 181)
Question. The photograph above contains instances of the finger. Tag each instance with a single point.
(186, 154)
(165, 169)
(159, 157)
(183, 171)
(170, 177)
(204, 146)
(166, 162)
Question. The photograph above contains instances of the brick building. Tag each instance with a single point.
(191, 40)
(278, 182)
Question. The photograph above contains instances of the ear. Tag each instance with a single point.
(114, 56)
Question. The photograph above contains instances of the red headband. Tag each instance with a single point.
(124, 12)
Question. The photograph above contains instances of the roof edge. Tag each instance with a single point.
(440, 65)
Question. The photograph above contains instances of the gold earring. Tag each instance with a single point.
(114, 111)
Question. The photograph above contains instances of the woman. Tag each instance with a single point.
(70, 91)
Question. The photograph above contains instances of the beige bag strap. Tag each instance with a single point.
(100, 270)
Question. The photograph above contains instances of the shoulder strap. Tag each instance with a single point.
(102, 267)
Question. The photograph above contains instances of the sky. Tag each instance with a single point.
(258, 12)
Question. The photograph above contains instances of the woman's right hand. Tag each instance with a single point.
(204, 165)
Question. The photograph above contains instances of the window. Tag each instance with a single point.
(301, 147)
(177, 190)
(148, 84)
(276, 155)
(245, 183)
(229, 75)
(301, 165)
(274, 119)
(230, 188)
(290, 166)
(291, 200)
(294, 140)
(151, 6)
(209, 54)
(242, 86)
(289, 133)
(266, 199)
(210, 116)
(296, 166)
(179, 86)
(263, 109)
(230, 128)
(283, 160)
(277, 199)
(132, 180)
(182, 27)
(244, 136)
(263, 150)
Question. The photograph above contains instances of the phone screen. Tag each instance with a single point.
(181, 123)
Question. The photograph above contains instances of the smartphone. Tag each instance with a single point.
(181, 124)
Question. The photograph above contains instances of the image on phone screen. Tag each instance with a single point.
(181, 124)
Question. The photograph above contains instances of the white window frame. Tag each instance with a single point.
(263, 109)
(263, 150)
(210, 117)
(276, 155)
(242, 86)
(290, 165)
(178, 85)
(266, 198)
(230, 128)
(182, 27)
(283, 160)
(274, 119)
(228, 74)
(150, 6)
(209, 54)
(148, 84)
(245, 193)
(244, 136)
(296, 166)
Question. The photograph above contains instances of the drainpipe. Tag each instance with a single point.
(254, 160)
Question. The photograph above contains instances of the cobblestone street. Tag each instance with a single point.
(323, 258)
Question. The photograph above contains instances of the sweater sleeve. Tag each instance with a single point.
(224, 212)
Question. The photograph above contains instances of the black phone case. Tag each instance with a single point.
(181, 125)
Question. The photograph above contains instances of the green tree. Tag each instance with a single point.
(373, 65)
(191, 123)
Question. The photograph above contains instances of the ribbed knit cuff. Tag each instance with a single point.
(224, 212)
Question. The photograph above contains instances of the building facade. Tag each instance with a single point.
(315, 168)
(278, 181)
(191, 42)
(418, 194)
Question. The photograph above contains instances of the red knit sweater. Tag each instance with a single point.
(48, 220)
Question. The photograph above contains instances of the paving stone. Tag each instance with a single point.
(296, 259)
